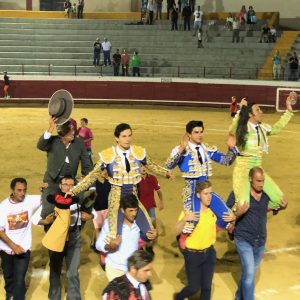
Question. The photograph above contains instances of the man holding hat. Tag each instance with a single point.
(64, 151)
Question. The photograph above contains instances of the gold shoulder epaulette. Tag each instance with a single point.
(138, 152)
(212, 148)
(108, 155)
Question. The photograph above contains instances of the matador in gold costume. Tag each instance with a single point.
(123, 163)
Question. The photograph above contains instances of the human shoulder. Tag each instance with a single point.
(108, 155)
(138, 152)
(210, 148)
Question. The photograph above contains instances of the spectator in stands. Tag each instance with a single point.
(192, 4)
(179, 5)
(199, 38)
(125, 58)
(150, 9)
(86, 135)
(233, 106)
(242, 15)
(116, 62)
(293, 64)
(198, 20)
(106, 47)
(6, 85)
(174, 18)
(67, 8)
(158, 9)
(229, 21)
(273, 34)
(251, 17)
(97, 50)
(80, 7)
(236, 30)
(265, 34)
(74, 10)
(276, 65)
(136, 63)
(170, 5)
(186, 13)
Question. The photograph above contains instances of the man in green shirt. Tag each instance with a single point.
(136, 63)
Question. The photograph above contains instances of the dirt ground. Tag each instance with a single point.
(159, 130)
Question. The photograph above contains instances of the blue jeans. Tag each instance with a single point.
(250, 257)
(14, 271)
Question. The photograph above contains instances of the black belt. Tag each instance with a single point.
(199, 251)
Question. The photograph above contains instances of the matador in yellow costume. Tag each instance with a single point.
(123, 163)
(252, 140)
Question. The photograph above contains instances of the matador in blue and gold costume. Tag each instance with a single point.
(123, 168)
(194, 160)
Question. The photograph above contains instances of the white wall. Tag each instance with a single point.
(287, 9)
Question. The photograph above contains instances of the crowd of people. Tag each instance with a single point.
(74, 10)
(119, 60)
(117, 192)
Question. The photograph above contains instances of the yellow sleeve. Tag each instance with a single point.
(281, 123)
(89, 179)
(155, 168)
(233, 126)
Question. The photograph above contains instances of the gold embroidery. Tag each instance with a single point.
(108, 155)
(138, 152)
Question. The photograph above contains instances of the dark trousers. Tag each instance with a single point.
(199, 267)
(80, 11)
(150, 17)
(236, 35)
(72, 255)
(136, 71)
(96, 58)
(125, 70)
(106, 55)
(174, 24)
(14, 271)
(116, 69)
(187, 23)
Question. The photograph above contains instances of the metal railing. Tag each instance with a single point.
(230, 72)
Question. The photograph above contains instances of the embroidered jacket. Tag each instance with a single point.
(255, 147)
(190, 166)
(117, 174)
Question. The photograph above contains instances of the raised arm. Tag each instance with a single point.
(44, 142)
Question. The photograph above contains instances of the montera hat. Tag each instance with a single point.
(60, 106)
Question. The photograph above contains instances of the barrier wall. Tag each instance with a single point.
(168, 91)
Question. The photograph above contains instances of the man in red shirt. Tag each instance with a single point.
(86, 134)
(146, 189)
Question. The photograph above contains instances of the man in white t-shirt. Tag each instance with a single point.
(198, 14)
(106, 47)
(16, 237)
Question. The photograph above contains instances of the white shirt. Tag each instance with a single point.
(201, 150)
(15, 220)
(121, 152)
(129, 243)
(198, 15)
(106, 46)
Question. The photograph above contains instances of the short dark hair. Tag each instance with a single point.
(129, 201)
(64, 129)
(85, 120)
(17, 180)
(66, 177)
(192, 124)
(139, 259)
(121, 127)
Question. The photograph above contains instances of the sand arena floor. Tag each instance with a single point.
(159, 130)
